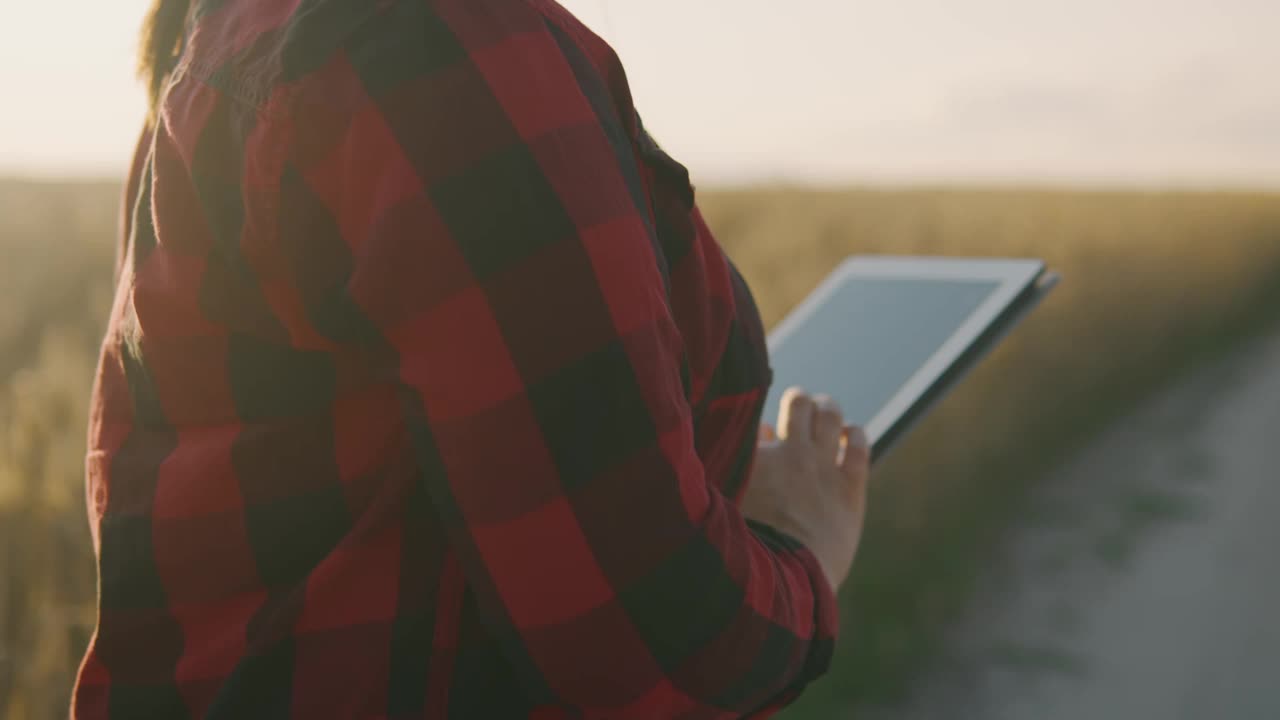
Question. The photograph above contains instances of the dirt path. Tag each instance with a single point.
(1144, 583)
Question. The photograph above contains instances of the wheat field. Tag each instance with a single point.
(1154, 284)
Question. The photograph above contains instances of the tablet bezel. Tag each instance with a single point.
(1014, 277)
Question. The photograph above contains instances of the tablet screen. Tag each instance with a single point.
(869, 337)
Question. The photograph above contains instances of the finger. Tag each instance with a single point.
(795, 419)
(828, 425)
(856, 463)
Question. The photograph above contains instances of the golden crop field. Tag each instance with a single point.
(1154, 283)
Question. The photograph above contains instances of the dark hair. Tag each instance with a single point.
(161, 35)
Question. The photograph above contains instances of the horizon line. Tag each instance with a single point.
(872, 182)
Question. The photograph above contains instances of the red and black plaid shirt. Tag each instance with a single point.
(427, 392)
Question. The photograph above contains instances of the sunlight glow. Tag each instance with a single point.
(1127, 91)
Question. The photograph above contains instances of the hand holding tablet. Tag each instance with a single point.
(810, 481)
(887, 337)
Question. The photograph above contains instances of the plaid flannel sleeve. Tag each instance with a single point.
(498, 259)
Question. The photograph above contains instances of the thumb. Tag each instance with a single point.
(857, 454)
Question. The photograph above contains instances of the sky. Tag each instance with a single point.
(1120, 92)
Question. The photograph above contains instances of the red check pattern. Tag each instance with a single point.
(427, 392)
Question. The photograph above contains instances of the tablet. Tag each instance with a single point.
(887, 337)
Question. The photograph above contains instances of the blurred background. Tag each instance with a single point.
(1084, 529)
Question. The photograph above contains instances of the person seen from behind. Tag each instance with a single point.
(428, 393)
